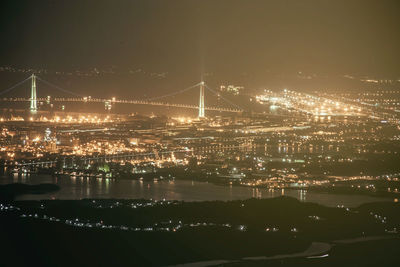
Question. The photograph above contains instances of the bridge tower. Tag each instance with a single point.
(33, 99)
(201, 102)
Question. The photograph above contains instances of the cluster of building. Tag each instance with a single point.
(303, 141)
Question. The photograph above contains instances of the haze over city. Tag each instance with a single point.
(137, 48)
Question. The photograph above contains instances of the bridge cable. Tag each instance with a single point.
(14, 86)
(223, 98)
(58, 87)
(172, 94)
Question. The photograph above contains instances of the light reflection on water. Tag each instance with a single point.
(79, 188)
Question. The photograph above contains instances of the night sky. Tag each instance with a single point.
(151, 47)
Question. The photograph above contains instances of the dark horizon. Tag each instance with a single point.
(145, 47)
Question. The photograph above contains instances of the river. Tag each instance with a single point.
(79, 188)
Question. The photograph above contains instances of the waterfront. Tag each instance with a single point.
(75, 188)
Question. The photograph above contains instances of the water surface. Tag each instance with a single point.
(79, 188)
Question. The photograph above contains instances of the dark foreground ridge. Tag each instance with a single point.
(255, 232)
(10, 191)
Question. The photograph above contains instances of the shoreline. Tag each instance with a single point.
(185, 190)
(320, 190)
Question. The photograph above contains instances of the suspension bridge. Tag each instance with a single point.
(155, 101)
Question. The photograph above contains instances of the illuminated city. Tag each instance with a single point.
(185, 133)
